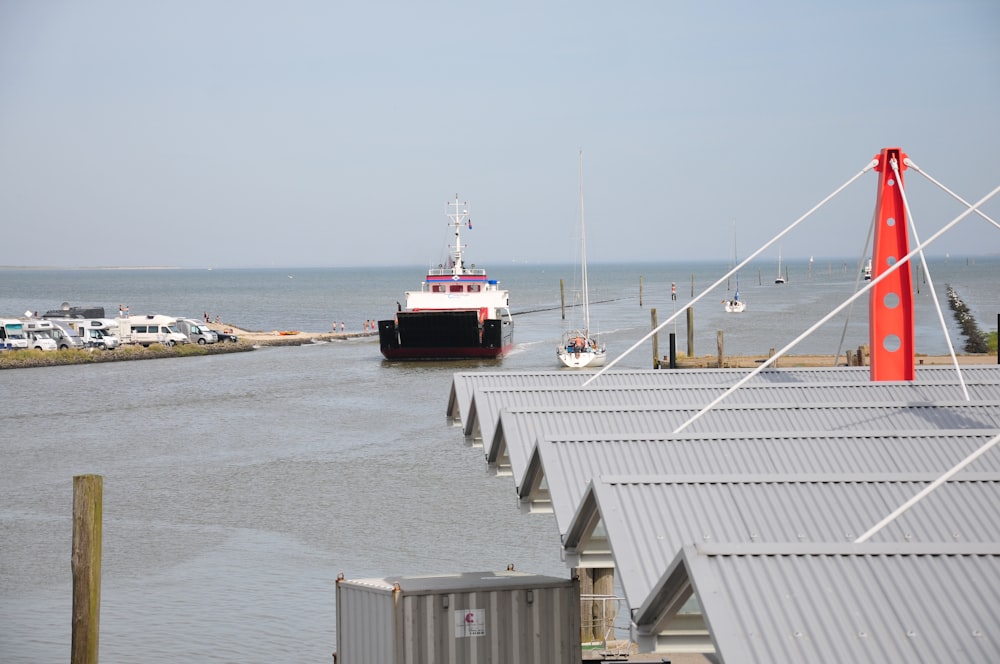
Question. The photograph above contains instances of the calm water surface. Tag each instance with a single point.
(237, 487)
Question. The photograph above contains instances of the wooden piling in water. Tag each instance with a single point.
(720, 346)
(656, 339)
(690, 322)
(562, 298)
(640, 290)
(85, 561)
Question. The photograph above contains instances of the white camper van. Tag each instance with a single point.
(64, 335)
(97, 332)
(154, 329)
(12, 334)
(37, 330)
(197, 332)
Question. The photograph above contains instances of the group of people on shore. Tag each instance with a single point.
(370, 327)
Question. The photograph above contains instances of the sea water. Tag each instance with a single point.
(237, 487)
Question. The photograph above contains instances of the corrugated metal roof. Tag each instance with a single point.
(561, 467)
(487, 403)
(842, 422)
(514, 440)
(464, 384)
(841, 603)
(647, 520)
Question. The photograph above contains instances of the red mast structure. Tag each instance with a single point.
(890, 307)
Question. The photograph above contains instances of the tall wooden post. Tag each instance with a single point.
(88, 495)
(720, 346)
(656, 339)
(586, 576)
(640, 290)
(562, 298)
(604, 609)
(690, 321)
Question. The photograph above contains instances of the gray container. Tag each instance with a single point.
(483, 617)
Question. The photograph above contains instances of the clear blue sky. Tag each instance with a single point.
(325, 133)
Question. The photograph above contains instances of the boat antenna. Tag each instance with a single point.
(458, 216)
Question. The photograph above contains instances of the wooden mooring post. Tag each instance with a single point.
(720, 346)
(562, 298)
(690, 322)
(85, 561)
(640, 290)
(656, 338)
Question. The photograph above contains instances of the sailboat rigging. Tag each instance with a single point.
(579, 347)
(780, 279)
(735, 305)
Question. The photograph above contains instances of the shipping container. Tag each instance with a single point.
(484, 617)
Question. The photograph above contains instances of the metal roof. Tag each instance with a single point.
(645, 520)
(514, 440)
(561, 467)
(792, 603)
(487, 403)
(464, 384)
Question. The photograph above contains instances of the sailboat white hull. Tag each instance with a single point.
(735, 307)
(586, 358)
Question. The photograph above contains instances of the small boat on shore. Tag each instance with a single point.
(458, 313)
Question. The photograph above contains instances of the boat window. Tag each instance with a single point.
(455, 288)
(474, 288)
(437, 288)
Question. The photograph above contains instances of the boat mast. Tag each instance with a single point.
(457, 217)
(583, 259)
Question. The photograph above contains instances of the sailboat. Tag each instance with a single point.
(579, 348)
(780, 279)
(868, 270)
(735, 305)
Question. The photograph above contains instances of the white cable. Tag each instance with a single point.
(930, 282)
(857, 284)
(871, 165)
(948, 191)
(774, 358)
(926, 490)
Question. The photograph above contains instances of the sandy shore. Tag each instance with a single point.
(276, 338)
(286, 337)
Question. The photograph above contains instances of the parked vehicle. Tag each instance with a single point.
(47, 328)
(40, 340)
(227, 336)
(153, 329)
(94, 332)
(12, 334)
(65, 336)
(196, 332)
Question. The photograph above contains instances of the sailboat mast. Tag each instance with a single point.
(583, 259)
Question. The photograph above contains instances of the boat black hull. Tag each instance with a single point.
(444, 335)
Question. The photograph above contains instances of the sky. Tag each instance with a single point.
(326, 133)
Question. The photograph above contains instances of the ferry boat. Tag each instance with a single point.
(458, 313)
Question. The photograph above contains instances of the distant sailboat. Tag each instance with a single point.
(868, 270)
(780, 278)
(579, 347)
(735, 305)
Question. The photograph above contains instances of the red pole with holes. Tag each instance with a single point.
(890, 309)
